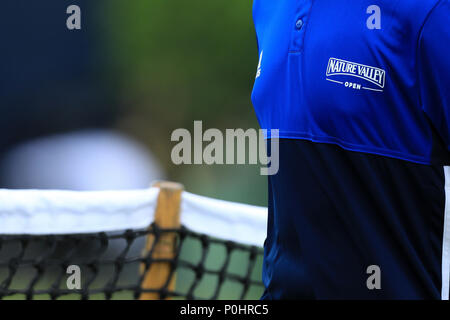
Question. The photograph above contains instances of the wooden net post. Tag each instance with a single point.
(167, 216)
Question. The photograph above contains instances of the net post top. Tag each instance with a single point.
(168, 185)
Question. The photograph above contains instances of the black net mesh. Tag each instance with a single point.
(114, 266)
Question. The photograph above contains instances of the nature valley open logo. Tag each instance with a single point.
(340, 69)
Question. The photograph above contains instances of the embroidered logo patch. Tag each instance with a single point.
(365, 77)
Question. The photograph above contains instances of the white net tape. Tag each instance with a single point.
(40, 212)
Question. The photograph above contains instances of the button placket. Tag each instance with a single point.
(301, 19)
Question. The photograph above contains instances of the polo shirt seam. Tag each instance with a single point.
(418, 41)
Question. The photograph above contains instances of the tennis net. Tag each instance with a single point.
(156, 243)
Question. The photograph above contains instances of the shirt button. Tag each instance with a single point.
(299, 24)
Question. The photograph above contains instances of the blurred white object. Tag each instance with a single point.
(83, 160)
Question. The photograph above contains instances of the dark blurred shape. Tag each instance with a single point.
(52, 79)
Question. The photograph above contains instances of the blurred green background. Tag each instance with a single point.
(178, 61)
(142, 68)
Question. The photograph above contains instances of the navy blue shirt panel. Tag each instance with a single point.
(333, 213)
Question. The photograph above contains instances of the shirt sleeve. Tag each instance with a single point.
(434, 68)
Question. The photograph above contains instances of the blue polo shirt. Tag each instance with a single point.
(360, 93)
(369, 76)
